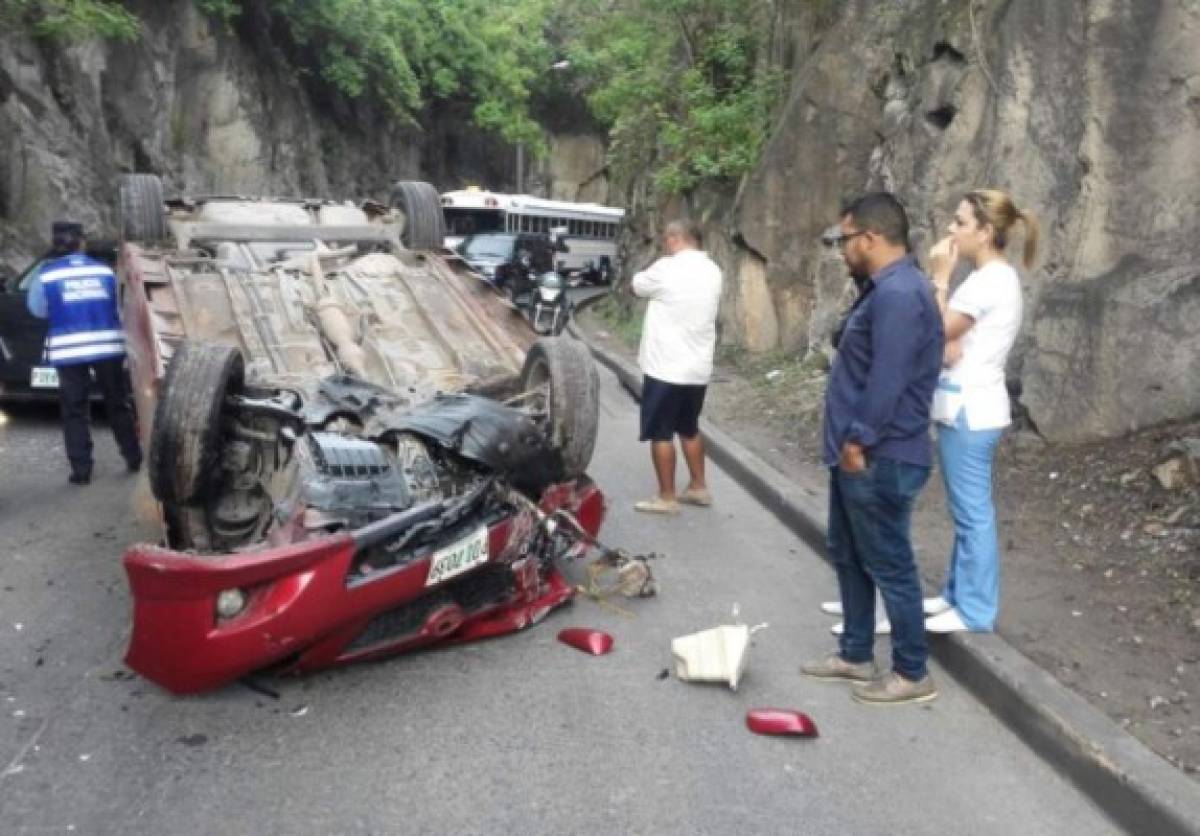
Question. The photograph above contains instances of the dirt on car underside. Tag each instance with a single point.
(412, 323)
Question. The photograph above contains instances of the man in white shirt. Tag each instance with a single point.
(679, 337)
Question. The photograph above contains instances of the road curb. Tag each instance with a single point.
(1136, 788)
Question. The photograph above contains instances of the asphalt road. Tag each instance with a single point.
(517, 735)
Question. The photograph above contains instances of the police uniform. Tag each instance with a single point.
(78, 294)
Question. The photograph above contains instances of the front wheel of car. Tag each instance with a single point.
(562, 376)
(185, 441)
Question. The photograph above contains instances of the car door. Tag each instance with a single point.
(22, 333)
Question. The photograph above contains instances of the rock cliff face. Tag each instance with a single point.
(1088, 112)
(214, 112)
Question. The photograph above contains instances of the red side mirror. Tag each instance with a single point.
(594, 642)
(780, 721)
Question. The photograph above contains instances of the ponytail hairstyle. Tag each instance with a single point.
(995, 208)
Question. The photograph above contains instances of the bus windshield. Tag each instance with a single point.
(469, 221)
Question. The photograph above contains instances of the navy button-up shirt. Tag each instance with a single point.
(887, 368)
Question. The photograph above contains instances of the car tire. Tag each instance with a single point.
(141, 207)
(566, 368)
(424, 223)
(188, 528)
(185, 441)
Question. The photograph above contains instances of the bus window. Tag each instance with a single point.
(460, 221)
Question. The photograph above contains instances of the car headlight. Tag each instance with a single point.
(230, 602)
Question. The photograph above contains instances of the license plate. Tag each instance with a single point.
(453, 560)
(43, 377)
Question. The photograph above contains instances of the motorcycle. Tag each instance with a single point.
(540, 295)
(544, 303)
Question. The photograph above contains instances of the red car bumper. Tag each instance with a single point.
(304, 609)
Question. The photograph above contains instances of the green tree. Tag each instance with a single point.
(406, 54)
(683, 85)
(72, 19)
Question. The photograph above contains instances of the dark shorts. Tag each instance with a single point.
(670, 408)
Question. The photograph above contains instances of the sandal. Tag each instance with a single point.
(657, 505)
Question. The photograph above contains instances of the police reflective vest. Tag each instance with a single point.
(81, 304)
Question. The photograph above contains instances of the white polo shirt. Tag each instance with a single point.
(679, 334)
(991, 296)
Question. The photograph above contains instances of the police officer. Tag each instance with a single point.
(78, 295)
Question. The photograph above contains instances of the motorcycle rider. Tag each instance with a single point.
(78, 295)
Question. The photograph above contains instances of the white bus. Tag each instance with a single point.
(591, 229)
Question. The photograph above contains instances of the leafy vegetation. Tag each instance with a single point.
(622, 318)
(684, 87)
(72, 19)
(407, 53)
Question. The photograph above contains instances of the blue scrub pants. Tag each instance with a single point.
(973, 585)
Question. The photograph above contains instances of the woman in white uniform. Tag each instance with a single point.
(971, 404)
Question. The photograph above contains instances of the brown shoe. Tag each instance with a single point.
(894, 689)
(833, 668)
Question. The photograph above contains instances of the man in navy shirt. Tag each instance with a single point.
(877, 447)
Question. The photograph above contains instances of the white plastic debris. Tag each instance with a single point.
(715, 655)
(774, 374)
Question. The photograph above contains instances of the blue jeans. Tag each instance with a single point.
(973, 585)
(870, 546)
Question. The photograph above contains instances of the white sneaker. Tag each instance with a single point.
(935, 606)
(883, 627)
(831, 607)
(948, 622)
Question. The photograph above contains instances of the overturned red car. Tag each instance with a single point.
(352, 451)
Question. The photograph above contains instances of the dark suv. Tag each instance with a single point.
(504, 257)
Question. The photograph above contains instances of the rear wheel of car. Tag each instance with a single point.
(563, 371)
(141, 205)
(185, 442)
(424, 224)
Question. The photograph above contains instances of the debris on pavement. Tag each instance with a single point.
(715, 655)
(780, 722)
(595, 642)
(616, 572)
